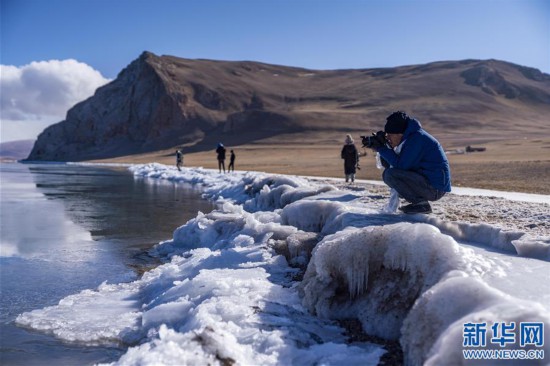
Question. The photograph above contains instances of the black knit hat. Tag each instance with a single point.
(396, 122)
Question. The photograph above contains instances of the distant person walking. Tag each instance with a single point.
(221, 157)
(351, 159)
(231, 166)
(179, 159)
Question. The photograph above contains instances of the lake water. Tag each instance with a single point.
(66, 228)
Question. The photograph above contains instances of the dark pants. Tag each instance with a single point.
(412, 186)
(221, 164)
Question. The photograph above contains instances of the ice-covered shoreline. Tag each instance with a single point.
(225, 293)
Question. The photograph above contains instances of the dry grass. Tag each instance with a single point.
(518, 165)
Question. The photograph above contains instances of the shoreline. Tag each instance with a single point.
(509, 166)
(456, 190)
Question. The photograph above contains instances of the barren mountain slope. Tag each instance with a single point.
(160, 102)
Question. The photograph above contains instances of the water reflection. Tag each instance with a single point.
(68, 228)
(113, 206)
(34, 227)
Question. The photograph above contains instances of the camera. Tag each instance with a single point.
(375, 140)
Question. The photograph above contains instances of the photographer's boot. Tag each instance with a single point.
(414, 208)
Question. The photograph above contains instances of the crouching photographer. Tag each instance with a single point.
(416, 165)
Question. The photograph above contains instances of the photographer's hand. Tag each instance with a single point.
(381, 140)
(381, 137)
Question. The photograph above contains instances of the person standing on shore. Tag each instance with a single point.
(351, 159)
(231, 166)
(179, 159)
(221, 157)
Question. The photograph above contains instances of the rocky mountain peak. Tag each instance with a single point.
(159, 102)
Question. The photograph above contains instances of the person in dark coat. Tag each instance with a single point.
(351, 159)
(179, 159)
(221, 157)
(231, 166)
(419, 170)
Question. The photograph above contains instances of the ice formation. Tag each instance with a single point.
(227, 294)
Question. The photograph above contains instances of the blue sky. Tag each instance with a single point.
(322, 34)
(107, 35)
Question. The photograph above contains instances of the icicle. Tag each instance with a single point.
(357, 276)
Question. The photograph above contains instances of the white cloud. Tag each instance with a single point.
(40, 93)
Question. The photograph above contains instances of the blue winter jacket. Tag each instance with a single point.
(423, 154)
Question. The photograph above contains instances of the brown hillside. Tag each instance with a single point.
(162, 102)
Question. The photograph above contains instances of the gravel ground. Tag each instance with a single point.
(528, 217)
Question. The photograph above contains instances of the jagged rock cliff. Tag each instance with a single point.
(137, 111)
(159, 102)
